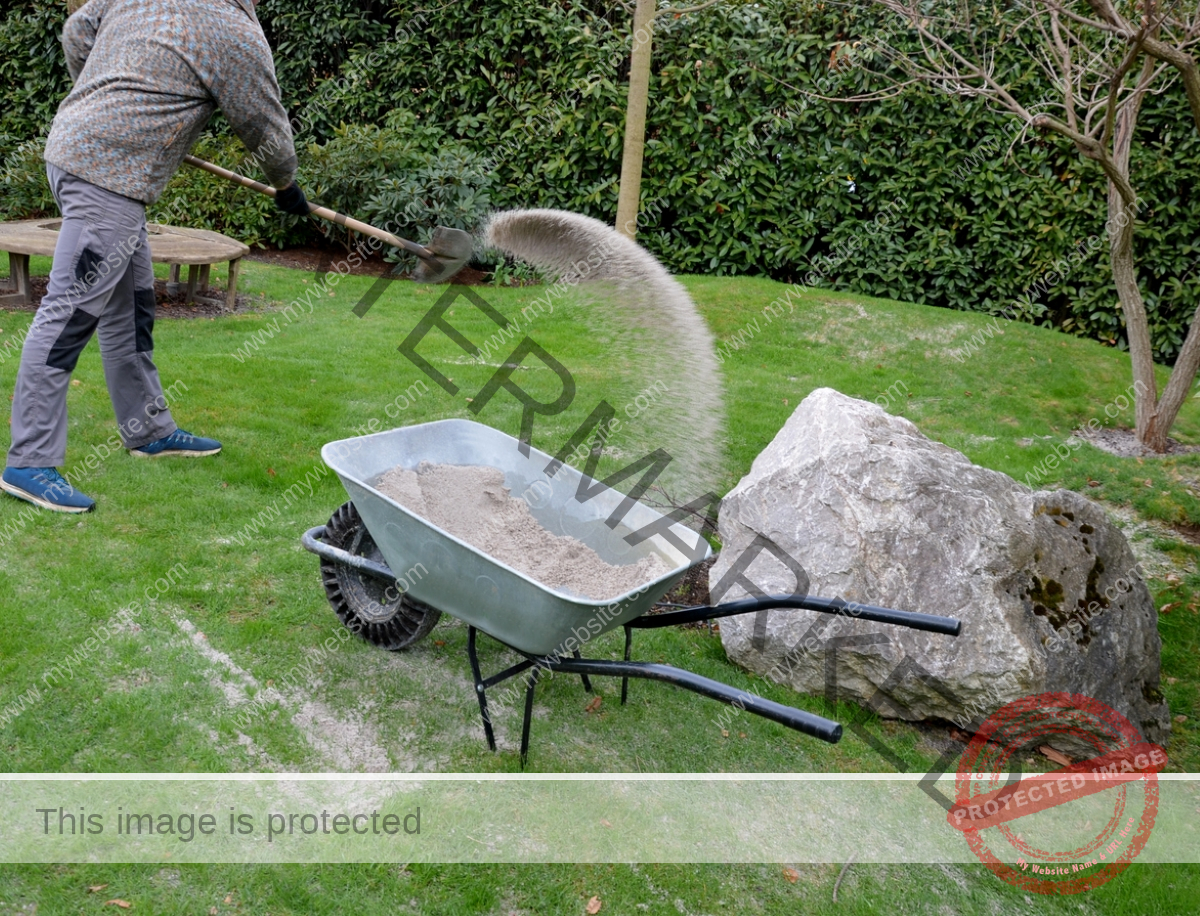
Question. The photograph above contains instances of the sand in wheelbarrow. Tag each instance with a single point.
(473, 504)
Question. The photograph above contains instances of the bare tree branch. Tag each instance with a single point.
(1088, 51)
(1118, 78)
(882, 95)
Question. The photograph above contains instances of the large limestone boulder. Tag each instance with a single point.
(874, 512)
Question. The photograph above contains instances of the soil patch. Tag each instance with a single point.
(1187, 531)
(692, 591)
(322, 260)
(168, 306)
(1124, 444)
(318, 260)
(473, 504)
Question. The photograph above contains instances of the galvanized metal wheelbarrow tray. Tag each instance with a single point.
(389, 574)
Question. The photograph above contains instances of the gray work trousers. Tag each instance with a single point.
(101, 282)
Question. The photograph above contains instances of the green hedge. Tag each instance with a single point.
(33, 75)
(910, 199)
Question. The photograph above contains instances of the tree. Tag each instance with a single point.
(630, 192)
(1102, 57)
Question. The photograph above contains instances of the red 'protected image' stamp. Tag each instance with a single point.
(1065, 831)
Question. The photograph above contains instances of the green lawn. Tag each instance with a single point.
(540, 890)
(148, 699)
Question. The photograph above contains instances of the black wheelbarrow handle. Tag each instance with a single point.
(932, 623)
(807, 722)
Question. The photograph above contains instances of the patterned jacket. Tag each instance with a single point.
(148, 75)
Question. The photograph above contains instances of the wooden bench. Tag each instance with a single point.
(199, 249)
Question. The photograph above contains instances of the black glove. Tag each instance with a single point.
(291, 200)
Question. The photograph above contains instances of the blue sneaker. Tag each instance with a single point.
(178, 443)
(45, 487)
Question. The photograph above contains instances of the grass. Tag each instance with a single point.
(644, 890)
(147, 700)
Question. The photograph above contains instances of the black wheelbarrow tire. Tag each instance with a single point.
(373, 608)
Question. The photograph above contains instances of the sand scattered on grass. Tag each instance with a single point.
(346, 741)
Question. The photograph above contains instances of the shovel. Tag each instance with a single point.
(447, 253)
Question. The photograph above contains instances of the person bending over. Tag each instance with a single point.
(148, 75)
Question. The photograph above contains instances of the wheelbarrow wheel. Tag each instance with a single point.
(371, 607)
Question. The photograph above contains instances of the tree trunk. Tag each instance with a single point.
(629, 198)
(1155, 418)
(1122, 216)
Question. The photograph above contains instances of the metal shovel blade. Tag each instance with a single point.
(450, 250)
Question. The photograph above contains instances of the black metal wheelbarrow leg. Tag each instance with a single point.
(808, 723)
(480, 690)
(531, 685)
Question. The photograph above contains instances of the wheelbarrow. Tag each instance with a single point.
(390, 574)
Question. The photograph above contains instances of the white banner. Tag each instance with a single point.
(684, 818)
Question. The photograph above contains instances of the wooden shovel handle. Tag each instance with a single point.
(324, 212)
